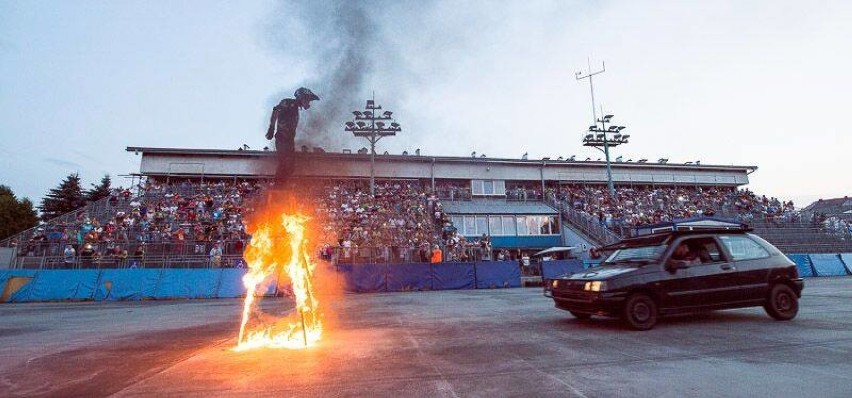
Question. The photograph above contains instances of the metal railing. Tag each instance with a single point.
(144, 261)
(587, 224)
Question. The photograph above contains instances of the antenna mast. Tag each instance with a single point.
(589, 74)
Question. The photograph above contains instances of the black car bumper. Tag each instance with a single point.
(608, 304)
(798, 286)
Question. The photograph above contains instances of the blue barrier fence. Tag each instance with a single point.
(139, 284)
(170, 283)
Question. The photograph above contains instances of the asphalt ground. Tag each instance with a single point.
(453, 343)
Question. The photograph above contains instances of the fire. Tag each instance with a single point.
(279, 242)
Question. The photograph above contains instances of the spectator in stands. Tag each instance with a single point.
(69, 255)
(216, 255)
(437, 256)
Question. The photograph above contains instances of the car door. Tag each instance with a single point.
(681, 288)
(748, 258)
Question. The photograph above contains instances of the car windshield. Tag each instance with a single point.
(639, 254)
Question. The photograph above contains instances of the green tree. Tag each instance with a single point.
(99, 191)
(68, 196)
(15, 215)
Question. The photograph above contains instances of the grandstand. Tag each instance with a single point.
(189, 205)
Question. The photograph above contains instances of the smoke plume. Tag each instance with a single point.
(337, 44)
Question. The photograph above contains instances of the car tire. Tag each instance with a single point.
(640, 312)
(581, 315)
(782, 303)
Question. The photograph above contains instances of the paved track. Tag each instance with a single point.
(459, 343)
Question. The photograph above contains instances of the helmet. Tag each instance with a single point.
(305, 95)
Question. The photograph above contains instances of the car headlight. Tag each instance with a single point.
(595, 286)
(554, 283)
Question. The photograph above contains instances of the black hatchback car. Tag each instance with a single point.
(682, 268)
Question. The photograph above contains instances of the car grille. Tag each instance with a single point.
(572, 290)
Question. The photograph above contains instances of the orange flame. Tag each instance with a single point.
(302, 327)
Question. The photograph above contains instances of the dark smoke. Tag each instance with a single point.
(338, 43)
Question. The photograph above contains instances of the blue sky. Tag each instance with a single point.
(729, 82)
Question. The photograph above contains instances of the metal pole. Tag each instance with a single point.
(609, 171)
(373, 164)
(304, 332)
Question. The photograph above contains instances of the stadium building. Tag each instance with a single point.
(502, 198)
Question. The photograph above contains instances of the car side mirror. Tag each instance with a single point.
(674, 265)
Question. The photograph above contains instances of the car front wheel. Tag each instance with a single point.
(782, 304)
(640, 312)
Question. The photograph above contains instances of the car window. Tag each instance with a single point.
(743, 248)
(648, 253)
(698, 251)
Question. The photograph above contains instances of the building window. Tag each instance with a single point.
(495, 225)
(523, 227)
(488, 187)
(469, 225)
(481, 225)
(509, 226)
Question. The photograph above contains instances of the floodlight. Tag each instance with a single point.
(617, 136)
(356, 113)
(625, 137)
(589, 136)
(362, 124)
(387, 114)
(601, 136)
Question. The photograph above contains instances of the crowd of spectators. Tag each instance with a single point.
(632, 207)
(402, 221)
(183, 219)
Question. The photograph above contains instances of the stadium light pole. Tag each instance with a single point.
(602, 138)
(372, 126)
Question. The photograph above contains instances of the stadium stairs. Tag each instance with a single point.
(801, 238)
(585, 226)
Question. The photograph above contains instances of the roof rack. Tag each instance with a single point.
(697, 224)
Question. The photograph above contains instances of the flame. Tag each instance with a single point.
(302, 328)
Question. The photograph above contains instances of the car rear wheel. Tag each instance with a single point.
(580, 315)
(782, 304)
(640, 312)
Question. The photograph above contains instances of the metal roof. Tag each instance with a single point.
(486, 206)
(424, 158)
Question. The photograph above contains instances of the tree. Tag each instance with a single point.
(15, 215)
(99, 191)
(60, 200)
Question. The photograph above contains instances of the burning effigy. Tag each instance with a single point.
(278, 253)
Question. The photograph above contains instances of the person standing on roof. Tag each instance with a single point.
(282, 126)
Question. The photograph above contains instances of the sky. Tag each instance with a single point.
(760, 83)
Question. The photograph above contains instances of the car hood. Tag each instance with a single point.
(600, 273)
